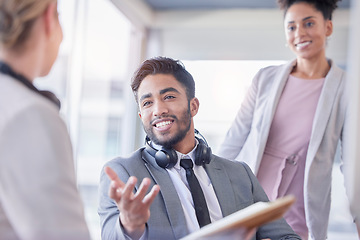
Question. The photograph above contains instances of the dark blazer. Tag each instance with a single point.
(235, 186)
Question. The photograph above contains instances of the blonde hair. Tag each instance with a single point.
(17, 18)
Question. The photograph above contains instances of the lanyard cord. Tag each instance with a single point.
(6, 69)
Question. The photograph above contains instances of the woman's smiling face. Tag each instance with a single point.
(306, 30)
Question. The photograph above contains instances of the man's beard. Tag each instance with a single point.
(180, 135)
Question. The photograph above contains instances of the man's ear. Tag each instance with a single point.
(50, 18)
(194, 106)
(139, 113)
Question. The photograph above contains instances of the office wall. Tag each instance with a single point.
(233, 34)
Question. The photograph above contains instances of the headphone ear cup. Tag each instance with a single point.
(166, 158)
(152, 151)
(203, 153)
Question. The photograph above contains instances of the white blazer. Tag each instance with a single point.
(246, 139)
(38, 194)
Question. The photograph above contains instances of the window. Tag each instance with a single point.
(89, 77)
(220, 87)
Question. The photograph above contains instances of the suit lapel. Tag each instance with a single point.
(169, 195)
(271, 105)
(324, 108)
(222, 187)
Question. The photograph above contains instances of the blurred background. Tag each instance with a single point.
(222, 43)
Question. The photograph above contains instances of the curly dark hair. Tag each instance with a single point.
(164, 65)
(326, 7)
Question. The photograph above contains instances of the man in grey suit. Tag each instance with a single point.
(165, 93)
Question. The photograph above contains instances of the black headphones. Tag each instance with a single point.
(167, 157)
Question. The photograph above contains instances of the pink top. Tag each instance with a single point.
(281, 170)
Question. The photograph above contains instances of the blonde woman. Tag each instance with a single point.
(38, 194)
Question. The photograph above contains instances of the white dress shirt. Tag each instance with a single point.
(178, 177)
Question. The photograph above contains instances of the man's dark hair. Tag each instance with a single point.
(326, 7)
(164, 65)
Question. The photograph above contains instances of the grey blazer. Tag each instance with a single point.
(234, 184)
(246, 138)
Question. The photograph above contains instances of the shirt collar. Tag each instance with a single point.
(190, 155)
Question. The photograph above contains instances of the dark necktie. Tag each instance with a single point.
(202, 212)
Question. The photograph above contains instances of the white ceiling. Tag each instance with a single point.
(217, 4)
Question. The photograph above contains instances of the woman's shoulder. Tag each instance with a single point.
(277, 68)
(17, 100)
(336, 70)
(266, 76)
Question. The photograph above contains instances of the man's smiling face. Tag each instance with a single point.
(164, 109)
